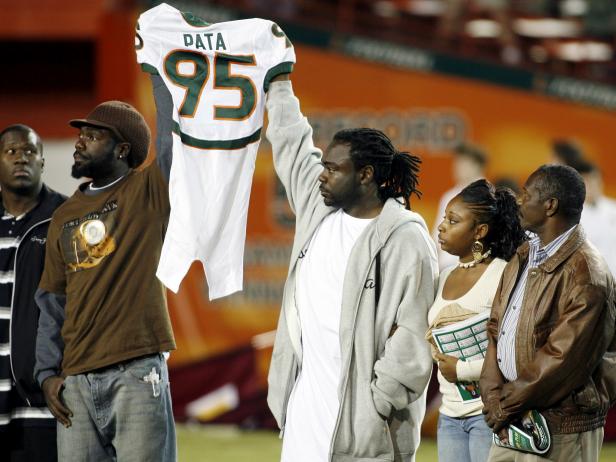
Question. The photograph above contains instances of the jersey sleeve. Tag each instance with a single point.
(147, 44)
(54, 274)
(273, 43)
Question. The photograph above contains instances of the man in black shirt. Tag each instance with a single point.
(27, 428)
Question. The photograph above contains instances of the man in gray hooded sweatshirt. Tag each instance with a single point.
(350, 363)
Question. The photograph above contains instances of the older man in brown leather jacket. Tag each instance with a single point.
(551, 330)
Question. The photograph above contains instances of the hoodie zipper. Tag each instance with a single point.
(291, 383)
(13, 300)
(291, 379)
(348, 368)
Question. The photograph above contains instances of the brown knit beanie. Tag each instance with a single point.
(126, 123)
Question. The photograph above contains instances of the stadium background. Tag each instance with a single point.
(61, 57)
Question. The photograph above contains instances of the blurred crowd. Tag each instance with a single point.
(573, 37)
(598, 215)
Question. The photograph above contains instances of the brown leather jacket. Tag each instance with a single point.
(565, 345)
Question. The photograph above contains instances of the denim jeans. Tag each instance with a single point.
(122, 412)
(467, 439)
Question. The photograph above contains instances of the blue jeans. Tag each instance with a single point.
(463, 440)
(122, 412)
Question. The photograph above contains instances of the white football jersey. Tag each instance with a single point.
(217, 75)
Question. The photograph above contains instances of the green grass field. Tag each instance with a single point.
(228, 444)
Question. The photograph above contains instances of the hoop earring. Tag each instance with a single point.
(477, 251)
(478, 255)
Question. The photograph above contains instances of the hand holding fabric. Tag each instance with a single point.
(447, 366)
(495, 417)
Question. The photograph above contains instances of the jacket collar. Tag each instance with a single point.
(49, 200)
(575, 240)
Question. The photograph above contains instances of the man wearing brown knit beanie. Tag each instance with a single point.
(110, 394)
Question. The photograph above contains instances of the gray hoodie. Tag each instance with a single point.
(383, 378)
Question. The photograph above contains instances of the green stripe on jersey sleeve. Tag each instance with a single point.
(145, 67)
(282, 68)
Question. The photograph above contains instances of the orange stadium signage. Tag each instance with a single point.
(425, 113)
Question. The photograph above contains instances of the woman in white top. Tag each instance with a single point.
(481, 226)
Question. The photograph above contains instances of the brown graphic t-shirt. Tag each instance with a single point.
(102, 252)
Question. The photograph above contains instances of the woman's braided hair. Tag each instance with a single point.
(498, 208)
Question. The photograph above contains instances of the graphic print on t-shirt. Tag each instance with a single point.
(88, 240)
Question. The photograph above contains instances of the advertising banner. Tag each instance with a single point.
(425, 113)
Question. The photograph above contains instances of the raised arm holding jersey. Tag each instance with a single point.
(350, 365)
(100, 291)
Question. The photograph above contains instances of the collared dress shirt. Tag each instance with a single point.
(505, 347)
